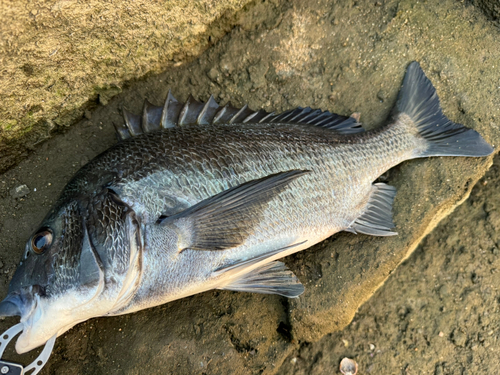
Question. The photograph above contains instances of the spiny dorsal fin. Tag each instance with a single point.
(170, 113)
(190, 111)
(225, 114)
(133, 123)
(173, 113)
(241, 115)
(208, 112)
(256, 117)
(151, 117)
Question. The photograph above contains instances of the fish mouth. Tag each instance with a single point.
(9, 307)
(26, 305)
(45, 316)
(16, 304)
(21, 303)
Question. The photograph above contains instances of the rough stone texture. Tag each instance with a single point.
(60, 57)
(491, 8)
(343, 56)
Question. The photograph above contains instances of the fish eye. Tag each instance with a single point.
(41, 241)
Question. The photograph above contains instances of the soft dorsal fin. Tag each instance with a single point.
(173, 113)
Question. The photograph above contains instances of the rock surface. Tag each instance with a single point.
(491, 8)
(342, 56)
(60, 57)
(438, 313)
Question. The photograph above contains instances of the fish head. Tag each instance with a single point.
(60, 273)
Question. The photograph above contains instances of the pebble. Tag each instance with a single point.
(20, 191)
(382, 96)
(258, 74)
(213, 74)
(444, 291)
(459, 338)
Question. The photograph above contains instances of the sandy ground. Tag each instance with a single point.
(435, 314)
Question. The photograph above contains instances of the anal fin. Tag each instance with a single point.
(377, 218)
(271, 278)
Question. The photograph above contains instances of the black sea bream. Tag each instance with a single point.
(197, 197)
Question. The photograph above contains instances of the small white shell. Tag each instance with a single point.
(348, 366)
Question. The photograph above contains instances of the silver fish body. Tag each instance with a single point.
(325, 200)
(210, 198)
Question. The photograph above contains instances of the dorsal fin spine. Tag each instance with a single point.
(133, 123)
(122, 132)
(220, 113)
(167, 108)
(151, 117)
(185, 111)
(264, 119)
(145, 112)
(243, 109)
(205, 116)
(190, 112)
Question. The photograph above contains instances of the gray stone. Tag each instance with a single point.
(19, 191)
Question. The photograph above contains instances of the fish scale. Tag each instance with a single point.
(197, 197)
(348, 159)
(313, 194)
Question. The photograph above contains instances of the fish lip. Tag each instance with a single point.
(21, 303)
(10, 306)
(27, 306)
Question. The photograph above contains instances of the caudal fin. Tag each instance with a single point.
(419, 101)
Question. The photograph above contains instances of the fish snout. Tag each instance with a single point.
(21, 303)
(10, 306)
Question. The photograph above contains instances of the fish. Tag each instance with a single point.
(196, 197)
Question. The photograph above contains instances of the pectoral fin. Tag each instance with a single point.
(228, 218)
(271, 278)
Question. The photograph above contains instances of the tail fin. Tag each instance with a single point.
(418, 100)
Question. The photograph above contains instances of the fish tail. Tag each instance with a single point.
(418, 106)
